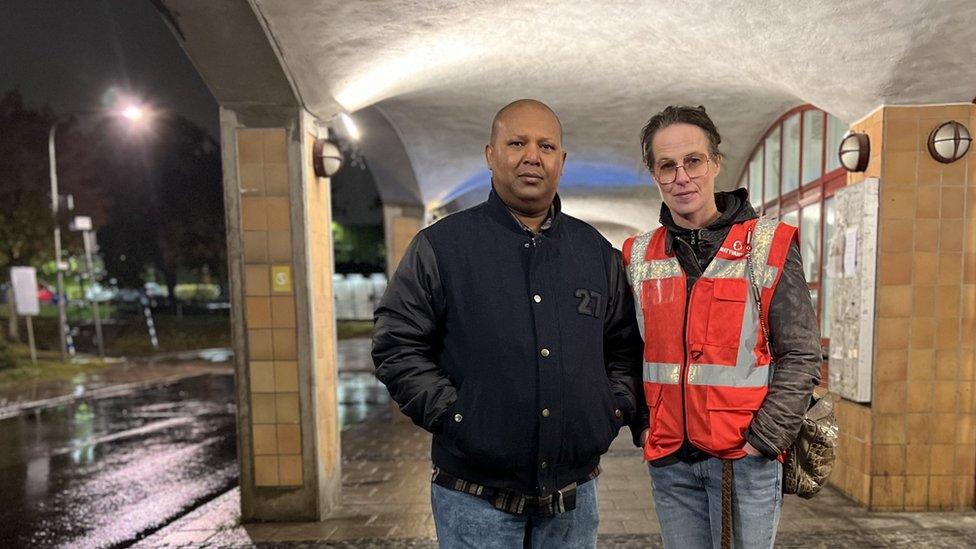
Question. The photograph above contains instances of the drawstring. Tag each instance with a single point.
(728, 479)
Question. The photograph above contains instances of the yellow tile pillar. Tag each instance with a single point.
(914, 446)
(280, 261)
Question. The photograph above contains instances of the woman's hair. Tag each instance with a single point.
(679, 114)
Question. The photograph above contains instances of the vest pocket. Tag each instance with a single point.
(725, 312)
(730, 412)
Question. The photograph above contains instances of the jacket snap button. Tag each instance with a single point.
(526, 244)
(617, 413)
(458, 418)
(537, 298)
(545, 412)
(545, 464)
(544, 352)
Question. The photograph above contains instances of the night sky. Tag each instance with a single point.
(67, 53)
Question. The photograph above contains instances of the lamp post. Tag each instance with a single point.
(133, 113)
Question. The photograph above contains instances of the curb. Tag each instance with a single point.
(102, 392)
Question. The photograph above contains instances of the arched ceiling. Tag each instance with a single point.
(439, 70)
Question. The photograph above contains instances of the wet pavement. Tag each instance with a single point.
(106, 459)
(386, 504)
(158, 466)
(100, 472)
(118, 377)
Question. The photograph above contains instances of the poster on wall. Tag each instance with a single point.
(852, 268)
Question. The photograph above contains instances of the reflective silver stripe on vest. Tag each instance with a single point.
(726, 268)
(660, 372)
(762, 243)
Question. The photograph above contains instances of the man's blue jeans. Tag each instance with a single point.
(463, 520)
(688, 499)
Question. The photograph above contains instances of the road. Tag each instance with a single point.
(102, 473)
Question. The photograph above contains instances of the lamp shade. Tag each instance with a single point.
(854, 152)
(326, 158)
(949, 142)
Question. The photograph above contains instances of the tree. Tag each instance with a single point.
(26, 225)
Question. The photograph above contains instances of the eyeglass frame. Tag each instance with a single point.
(708, 159)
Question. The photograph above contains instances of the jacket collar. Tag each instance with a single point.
(734, 207)
(499, 212)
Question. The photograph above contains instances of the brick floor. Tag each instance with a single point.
(385, 503)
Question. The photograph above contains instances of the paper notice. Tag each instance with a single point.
(850, 252)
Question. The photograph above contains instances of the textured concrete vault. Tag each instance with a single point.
(439, 70)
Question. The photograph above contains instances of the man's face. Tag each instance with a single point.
(526, 158)
(684, 145)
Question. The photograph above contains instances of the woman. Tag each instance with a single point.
(732, 344)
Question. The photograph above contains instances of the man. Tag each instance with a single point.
(732, 344)
(509, 332)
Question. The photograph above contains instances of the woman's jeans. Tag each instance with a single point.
(688, 499)
(463, 521)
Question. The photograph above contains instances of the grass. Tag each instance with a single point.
(191, 331)
(49, 366)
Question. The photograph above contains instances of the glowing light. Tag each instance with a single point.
(134, 113)
(350, 126)
(409, 70)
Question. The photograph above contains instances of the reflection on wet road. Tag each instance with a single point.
(98, 473)
(105, 472)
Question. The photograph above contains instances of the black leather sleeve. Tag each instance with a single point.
(795, 344)
(623, 349)
(406, 338)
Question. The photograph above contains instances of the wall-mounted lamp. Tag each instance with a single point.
(949, 141)
(326, 158)
(855, 152)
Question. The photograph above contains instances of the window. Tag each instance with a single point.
(830, 222)
(791, 153)
(772, 165)
(756, 177)
(835, 133)
(812, 144)
(810, 241)
(791, 218)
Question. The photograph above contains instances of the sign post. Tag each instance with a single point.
(24, 282)
(83, 223)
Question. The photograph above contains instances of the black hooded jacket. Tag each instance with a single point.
(793, 328)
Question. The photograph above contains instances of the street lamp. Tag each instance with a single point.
(133, 113)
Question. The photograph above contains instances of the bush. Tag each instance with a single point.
(7, 359)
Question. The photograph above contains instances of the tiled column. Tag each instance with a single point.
(400, 224)
(914, 446)
(280, 250)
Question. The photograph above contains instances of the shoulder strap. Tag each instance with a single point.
(756, 292)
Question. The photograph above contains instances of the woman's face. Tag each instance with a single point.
(680, 146)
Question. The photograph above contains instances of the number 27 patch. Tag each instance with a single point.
(591, 303)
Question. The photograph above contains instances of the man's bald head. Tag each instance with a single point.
(514, 107)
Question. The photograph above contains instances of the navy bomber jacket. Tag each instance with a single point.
(520, 352)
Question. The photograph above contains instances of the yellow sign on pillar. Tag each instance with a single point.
(281, 279)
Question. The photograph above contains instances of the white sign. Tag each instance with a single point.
(24, 281)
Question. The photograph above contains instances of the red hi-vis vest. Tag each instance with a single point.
(710, 379)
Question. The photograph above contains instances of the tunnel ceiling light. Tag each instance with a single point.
(326, 158)
(350, 125)
(854, 152)
(949, 142)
